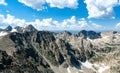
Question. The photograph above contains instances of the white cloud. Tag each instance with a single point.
(11, 20)
(118, 25)
(40, 4)
(72, 24)
(1, 17)
(96, 26)
(49, 24)
(2, 2)
(66, 24)
(63, 3)
(35, 4)
(101, 8)
(82, 22)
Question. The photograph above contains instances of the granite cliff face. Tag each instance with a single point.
(35, 51)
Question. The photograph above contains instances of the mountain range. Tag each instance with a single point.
(27, 50)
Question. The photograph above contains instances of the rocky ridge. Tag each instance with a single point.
(36, 51)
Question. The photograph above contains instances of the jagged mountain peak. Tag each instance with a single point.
(82, 32)
(114, 32)
(67, 32)
(30, 28)
(19, 29)
(8, 28)
(89, 34)
(46, 52)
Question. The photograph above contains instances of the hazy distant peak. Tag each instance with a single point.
(89, 34)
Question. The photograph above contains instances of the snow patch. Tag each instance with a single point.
(103, 68)
(87, 64)
(100, 67)
(2, 33)
(14, 30)
(89, 39)
(68, 69)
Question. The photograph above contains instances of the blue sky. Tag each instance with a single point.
(61, 15)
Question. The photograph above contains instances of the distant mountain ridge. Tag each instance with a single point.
(19, 29)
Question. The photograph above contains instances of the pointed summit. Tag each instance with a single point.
(30, 28)
(8, 28)
(67, 33)
(19, 29)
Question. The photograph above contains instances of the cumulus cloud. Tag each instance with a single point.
(2, 2)
(63, 3)
(118, 25)
(1, 17)
(97, 26)
(35, 4)
(49, 24)
(40, 4)
(11, 20)
(101, 8)
(45, 24)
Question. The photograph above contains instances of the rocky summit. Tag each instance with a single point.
(36, 51)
